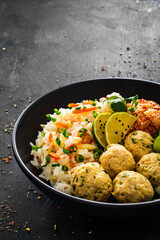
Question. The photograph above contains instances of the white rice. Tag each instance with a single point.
(86, 144)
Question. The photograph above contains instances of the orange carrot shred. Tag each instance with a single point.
(72, 105)
(63, 125)
(50, 137)
(54, 155)
(83, 110)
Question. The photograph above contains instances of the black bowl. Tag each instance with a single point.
(28, 125)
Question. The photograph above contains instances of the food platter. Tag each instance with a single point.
(28, 124)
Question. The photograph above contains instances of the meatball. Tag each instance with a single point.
(149, 166)
(90, 181)
(116, 159)
(132, 187)
(139, 143)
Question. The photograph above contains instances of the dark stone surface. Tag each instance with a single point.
(46, 44)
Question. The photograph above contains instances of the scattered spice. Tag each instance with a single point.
(6, 160)
(28, 229)
(12, 223)
(128, 49)
(102, 69)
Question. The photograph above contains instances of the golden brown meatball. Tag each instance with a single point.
(139, 143)
(116, 159)
(90, 181)
(132, 187)
(149, 166)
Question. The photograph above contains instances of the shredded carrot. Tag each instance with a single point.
(72, 105)
(83, 110)
(54, 155)
(87, 102)
(50, 137)
(63, 125)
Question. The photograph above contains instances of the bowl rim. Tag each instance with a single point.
(49, 188)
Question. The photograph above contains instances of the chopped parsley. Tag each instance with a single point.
(43, 134)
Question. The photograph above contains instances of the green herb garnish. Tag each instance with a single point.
(35, 148)
(82, 131)
(62, 145)
(133, 101)
(47, 161)
(73, 149)
(53, 119)
(59, 129)
(55, 165)
(120, 105)
(58, 141)
(95, 114)
(57, 111)
(66, 151)
(97, 153)
(64, 132)
(77, 108)
(80, 158)
(64, 168)
(49, 118)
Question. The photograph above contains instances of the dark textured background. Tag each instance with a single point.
(46, 44)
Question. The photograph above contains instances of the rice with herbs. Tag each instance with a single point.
(66, 142)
